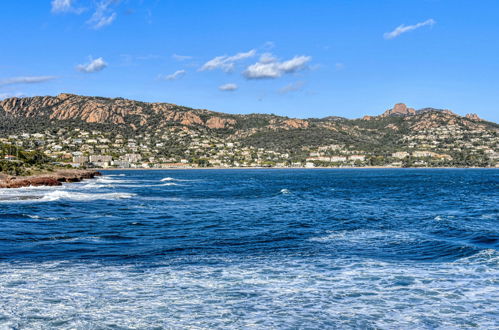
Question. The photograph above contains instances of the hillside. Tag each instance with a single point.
(72, 128)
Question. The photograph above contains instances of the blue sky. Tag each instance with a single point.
(296, 58)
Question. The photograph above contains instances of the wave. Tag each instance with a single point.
(174, 179)
(74, 196)
(106, 179)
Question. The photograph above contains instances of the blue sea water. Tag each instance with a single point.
(263, 249)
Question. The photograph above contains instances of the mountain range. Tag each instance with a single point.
(400, 128)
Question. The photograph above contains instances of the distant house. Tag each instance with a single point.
(80, 159)
(357, 157)
(400, 154)
(10, 157)
(338, 159)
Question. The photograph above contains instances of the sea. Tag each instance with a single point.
(253, 249)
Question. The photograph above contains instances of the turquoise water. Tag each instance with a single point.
(402, 248)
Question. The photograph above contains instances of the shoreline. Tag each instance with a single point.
(290, 168)
(56, 178)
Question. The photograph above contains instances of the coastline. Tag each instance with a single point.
(286, 168)
(47, 179)
(57, 178)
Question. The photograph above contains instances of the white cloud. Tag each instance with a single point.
(270, 68)
(103, 15)
(59, 6)
(403, 29)
(267, 58)
(174, 76)
(9, 95)
(181, 57)
(228, 87)
(65, 6)
(293, 87)
(93, 66)
(226, 63)
(26, 80)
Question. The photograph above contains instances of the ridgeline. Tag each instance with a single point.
(84, 131)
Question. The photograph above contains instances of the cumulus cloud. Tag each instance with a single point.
(293, 87)
(65, 6)
(226, 63)
(174, 76)
(26, 80)
(103, 15)
(228, 87)
(403, 28)
(92, 66)
(181, 57)
(270, 68)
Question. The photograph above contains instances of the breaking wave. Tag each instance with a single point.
(75, 196)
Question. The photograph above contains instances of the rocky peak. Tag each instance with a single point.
(399, 109)
(473, 116)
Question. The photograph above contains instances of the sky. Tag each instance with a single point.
(294, 58)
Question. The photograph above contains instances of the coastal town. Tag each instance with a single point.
(181, 147)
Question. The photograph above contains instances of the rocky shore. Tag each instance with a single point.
(50, 179)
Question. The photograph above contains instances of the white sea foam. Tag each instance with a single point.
(76, 196)
(175, 179)
(106, 179)
(170, 184)
(364, 236)
(260, 292)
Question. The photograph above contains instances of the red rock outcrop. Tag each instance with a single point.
(399, 109)
(296, 123)
(217, 122)
(109, 111)
(54, 179)
(473, 116)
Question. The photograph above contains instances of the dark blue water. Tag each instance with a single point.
(254, 248)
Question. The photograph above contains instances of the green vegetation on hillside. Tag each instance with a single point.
(17, 161)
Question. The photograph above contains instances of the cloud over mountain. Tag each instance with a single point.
(174, 76)
(226, 63)
(26, 80)
(403, 28)
(270, 68)
(228, 87)
(93, 66)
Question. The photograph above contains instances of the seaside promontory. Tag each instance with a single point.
(49, 179)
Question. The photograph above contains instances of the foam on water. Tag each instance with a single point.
(75, 196)
(175, 179)
(107, 179)
(262, 292)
